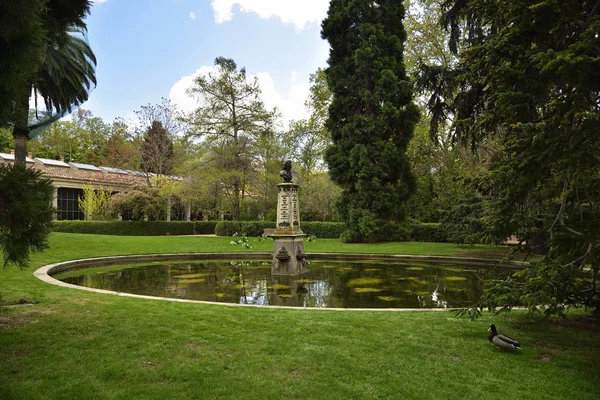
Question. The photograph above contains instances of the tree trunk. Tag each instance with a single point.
(20, 131)
(236, 200)
(169, 208)
(20, 148)
(236, 184)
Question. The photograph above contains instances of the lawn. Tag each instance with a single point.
(78, 345)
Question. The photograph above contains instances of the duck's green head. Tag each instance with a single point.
(492, 328)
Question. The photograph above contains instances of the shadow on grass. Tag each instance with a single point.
(570, 342)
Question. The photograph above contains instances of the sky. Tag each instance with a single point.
(149, 49)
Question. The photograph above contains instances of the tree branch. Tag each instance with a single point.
(593, 12)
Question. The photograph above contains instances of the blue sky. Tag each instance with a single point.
(148, 49)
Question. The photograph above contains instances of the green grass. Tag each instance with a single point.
(78, 345)
(71, 246)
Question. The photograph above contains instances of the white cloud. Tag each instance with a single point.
(99, 1)
(290, 104)
(301, 13)
(178, 93)
(132, 121)
(192, 15)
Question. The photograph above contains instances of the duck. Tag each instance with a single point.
(503, 342)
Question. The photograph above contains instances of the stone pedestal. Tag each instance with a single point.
(288, 252)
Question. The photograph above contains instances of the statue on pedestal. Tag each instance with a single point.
(286, 172)
(288, 252)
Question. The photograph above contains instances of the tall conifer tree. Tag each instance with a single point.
(528, 81)
(231, 118)
(157, 150)
(371, 117)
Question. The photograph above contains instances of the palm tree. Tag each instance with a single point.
(21, 36)
(66, 74)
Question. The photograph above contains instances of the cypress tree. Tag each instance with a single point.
(371, 117)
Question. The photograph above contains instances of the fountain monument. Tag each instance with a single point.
(288, 250)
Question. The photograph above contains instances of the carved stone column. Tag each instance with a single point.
(288, 252)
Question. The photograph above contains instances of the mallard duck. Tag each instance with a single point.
(503, 342)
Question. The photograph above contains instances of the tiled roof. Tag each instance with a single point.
(101, 176)
(57, 170)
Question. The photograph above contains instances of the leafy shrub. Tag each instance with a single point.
(94, 204)
(25, 212)
(205, 227)
(331, 230)
(271, 215)
(403, 232)
(418, 232)
(126, 228)
(227, 228)
(256, 228)
(464, 224)
(428, 232)
(323, 230)
(246, 228)
(142, 201)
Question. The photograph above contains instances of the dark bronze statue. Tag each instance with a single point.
(286, 172)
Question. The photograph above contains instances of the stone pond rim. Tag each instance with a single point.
(45, 273)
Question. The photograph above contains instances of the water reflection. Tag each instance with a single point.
(325, 284)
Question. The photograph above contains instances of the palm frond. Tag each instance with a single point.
(68, 73)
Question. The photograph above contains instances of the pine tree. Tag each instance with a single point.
(157, 150)
(529, 79)
(231, 118)
(371, 117)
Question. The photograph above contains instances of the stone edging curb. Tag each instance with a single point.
(44, 273)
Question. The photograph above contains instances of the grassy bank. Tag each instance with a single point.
(70, 246)
(80, 345)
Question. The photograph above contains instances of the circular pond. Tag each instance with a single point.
(326, 284)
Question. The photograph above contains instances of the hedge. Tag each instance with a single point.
(205, 227)
(227, 228)
(428, 232)
(323, 230)
(256, 228)
(126, 228)
(420, 232)
(248, 228)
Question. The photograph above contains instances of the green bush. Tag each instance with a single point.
(205, 227)
(25, 213)
(327, 230)
(256, 228)
(126, 228)
(323, 230)
(227, 228)
(246, 228)
(418, 232)
(428, 232)
(465, 223)
(403, 232)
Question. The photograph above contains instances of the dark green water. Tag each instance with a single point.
(325, 284)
